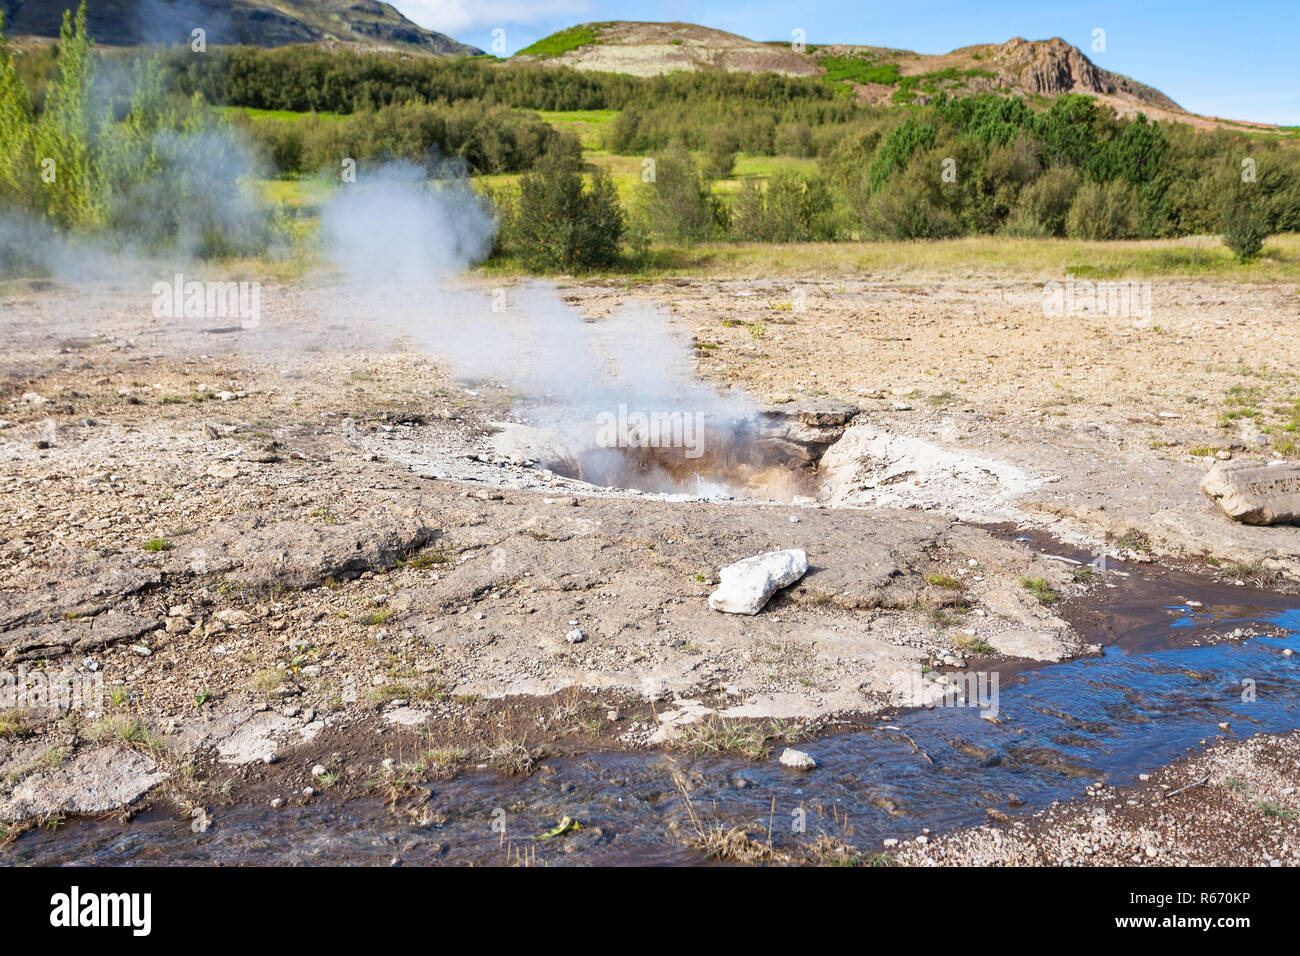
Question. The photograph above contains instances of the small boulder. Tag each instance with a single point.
(1255, 492)
(797, 760)
(747, 585)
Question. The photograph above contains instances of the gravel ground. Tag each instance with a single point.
(257, 537)
(1232, 804)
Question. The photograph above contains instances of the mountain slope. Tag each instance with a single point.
(649, 49)
(880, 74)
(253, 22)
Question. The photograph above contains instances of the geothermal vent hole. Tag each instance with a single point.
(771, 454)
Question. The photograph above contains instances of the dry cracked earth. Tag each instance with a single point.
(306, 534)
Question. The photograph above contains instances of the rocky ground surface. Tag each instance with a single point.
(305, 534)
(1233, 804)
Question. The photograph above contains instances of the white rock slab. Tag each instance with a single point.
(747, 585)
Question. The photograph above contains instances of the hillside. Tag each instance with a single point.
(267, 23)
(1039, 68)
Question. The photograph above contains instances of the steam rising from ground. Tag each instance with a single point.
(619, 393)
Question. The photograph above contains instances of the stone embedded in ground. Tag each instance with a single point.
(92, 782)
(797, 760)
(252, 551)
(39, 641)
(79, 591)
(1255, 492)
(1034, 645)
(747, 585)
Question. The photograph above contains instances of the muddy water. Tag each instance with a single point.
(1169, 674)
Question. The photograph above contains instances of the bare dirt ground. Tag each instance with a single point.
(258, 537)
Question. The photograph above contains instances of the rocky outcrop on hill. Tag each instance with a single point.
(1053, 67)
(252, 22)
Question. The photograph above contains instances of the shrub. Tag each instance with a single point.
(560, 223)
(1244, 229)
(1045, 204)
(793, 208)
(719, 155)
(913, 206)
(677, 205)
(1103, 211)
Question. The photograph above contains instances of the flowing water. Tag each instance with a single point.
(1170, 672)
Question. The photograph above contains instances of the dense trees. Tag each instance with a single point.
(980, 164)
(163, 173)
(491, 139)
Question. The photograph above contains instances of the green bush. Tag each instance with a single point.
(913, 206)
(1103, 211)
(1044, 205)
(560, 223)
(1244, 228)
(720, 155)
(676, 206)
(792, 208)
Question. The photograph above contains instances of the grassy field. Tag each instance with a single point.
(231, 112)
(588, 125)
(982, 256)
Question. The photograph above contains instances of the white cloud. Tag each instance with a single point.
(462, 16)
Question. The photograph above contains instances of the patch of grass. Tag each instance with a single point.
(14, 723)
(324, 515)
(944, 581)
(1272, 808)
(427, 559)
(1135, 540)
(378, 617)
(1040, 589)
(1000, 256)
(157, 544)
(513, 758)
(977, 645)
(266, 681)
(857, 68)
(736, 737)
(446, 758)
(385, 693)
(125, 728)
(561, 42)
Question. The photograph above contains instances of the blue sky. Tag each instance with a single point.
(1239, 60)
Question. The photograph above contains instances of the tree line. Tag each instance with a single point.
(145, 153)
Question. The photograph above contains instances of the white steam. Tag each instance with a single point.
(400, 242)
